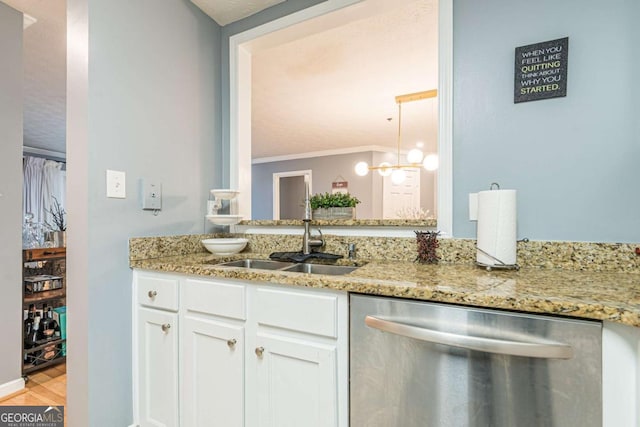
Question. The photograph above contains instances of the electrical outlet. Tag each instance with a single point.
(116, 184)
(150, 195)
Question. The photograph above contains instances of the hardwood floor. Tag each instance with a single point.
(46, 387)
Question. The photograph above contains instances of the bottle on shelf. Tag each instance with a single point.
(32, 357)
(53, 324)
(28, 329)
(44, 331)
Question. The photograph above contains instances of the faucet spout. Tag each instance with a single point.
(309, 241)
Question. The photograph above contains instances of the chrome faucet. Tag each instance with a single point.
(351, 247)
(308, 241)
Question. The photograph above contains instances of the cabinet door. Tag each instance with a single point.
(213, 374)
(157, 368)
(296, 383)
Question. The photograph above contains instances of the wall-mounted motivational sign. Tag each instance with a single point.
(541, 70)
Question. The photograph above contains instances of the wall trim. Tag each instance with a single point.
(322, 153)
(11, 387)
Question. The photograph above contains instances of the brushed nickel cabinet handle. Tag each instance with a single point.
(259, 351)
(232, 343)
(152, 294)
(166, 327)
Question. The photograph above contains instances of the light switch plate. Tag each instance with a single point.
(150, 195)
(116, 184)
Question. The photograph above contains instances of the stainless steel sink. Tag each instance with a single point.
(261, 264)
(332, 270)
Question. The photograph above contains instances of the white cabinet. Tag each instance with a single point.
(297, 361)
(247, 354)
(212, 373)
(155, 350)
(212, 353)
(295, 383)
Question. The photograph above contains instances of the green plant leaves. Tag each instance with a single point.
(338, 200)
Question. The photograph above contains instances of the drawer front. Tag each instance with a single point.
(298, 311)
(218, 299)
(158, 292)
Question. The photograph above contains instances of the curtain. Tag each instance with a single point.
(52, 189)
(32, 199)
(44, 180)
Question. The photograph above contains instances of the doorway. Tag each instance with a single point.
(289, 193)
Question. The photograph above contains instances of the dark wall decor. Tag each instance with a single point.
(541, 70)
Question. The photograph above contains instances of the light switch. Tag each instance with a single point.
(116, 184)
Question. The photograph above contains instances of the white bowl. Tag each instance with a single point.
(224, 219)
(224, 194)
(225, 246)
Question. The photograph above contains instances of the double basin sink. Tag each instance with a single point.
(262, 264)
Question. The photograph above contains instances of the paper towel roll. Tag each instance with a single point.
(497, 227)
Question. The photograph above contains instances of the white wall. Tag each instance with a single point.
(11, 77)
(144, 101)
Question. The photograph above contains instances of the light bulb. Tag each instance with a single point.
(430, 162)
(385, 169)
(362, 168)
(398, 176)
(420, 144)
(414, 155)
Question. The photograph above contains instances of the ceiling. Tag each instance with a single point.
(330, 90)
(336, 88)
(227, 11)
(45, 68)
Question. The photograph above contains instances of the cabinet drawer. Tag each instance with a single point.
(219, 299)
(298, 311)
(158, 292)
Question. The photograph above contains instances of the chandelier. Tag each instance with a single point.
(415, 157)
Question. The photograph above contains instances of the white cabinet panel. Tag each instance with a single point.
(219, 299)
(295, 383)
(213, 374)
(303, 311)
(157, 291)
(157, 368)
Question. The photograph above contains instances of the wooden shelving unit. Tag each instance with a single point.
(50, 261)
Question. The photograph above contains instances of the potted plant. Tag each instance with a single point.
(59, 226)
(333, 206)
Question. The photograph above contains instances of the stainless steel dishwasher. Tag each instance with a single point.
(419, 364)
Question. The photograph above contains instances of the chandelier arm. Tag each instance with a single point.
(398, 166)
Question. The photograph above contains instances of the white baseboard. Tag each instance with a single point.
(11, 387)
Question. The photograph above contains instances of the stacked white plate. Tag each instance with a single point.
(224, 219)
(225, 245)
(224, 194)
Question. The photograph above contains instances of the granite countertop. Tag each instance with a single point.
(612, 296)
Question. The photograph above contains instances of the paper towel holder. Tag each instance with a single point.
(499, 266)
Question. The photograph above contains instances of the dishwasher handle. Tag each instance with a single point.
(540, 349)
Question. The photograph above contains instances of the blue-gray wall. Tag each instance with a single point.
(573, 160)
(325, 169)
(152, 94)
(11, 78)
